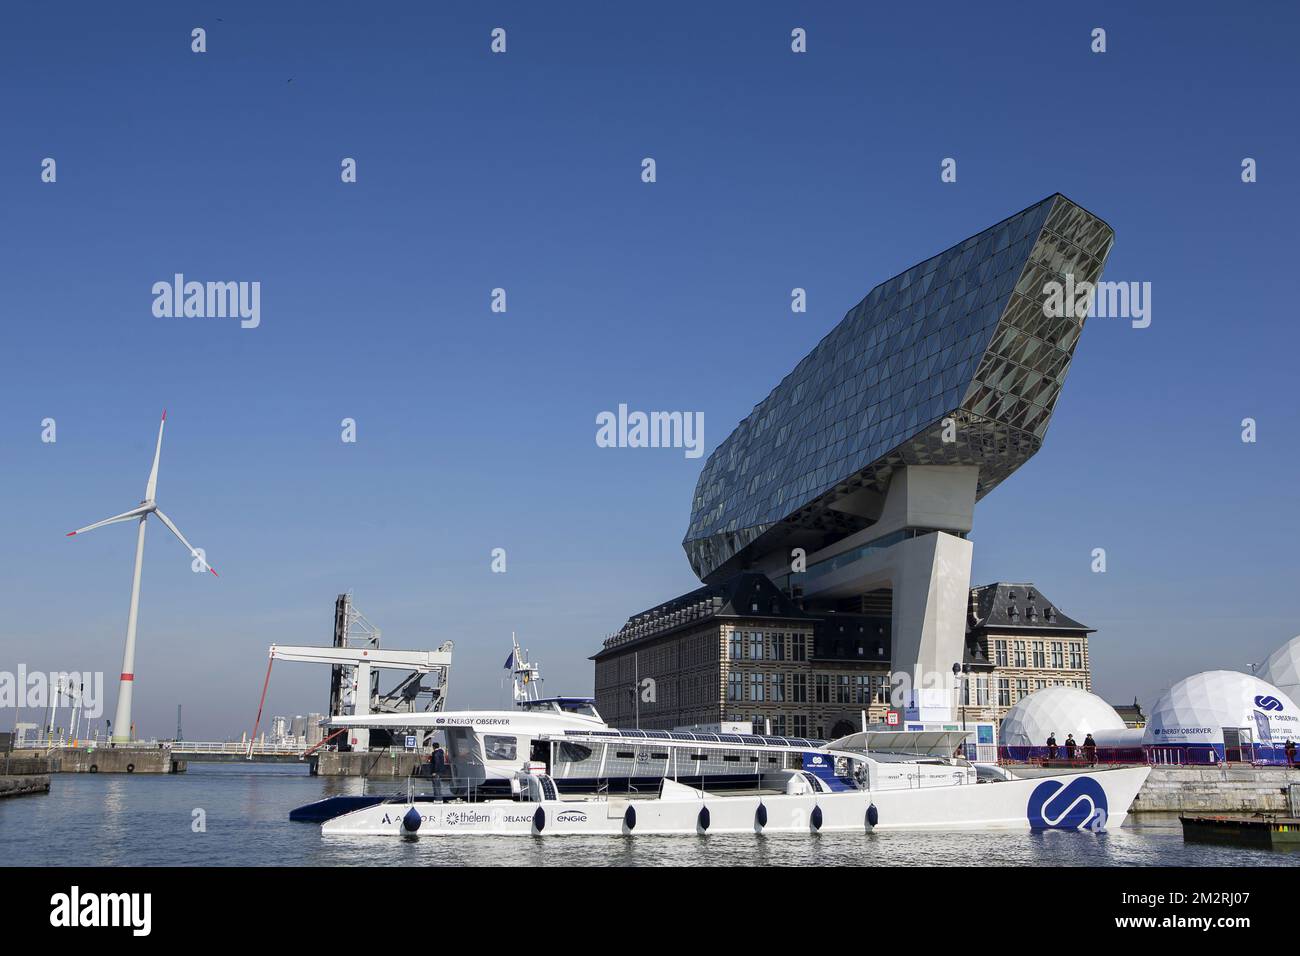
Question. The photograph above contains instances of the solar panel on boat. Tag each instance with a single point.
(658, 734)
(730, 738)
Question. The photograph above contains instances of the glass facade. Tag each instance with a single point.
(963, 335)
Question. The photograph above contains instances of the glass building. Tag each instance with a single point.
(957, 361)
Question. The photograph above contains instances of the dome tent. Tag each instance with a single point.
(1024, 729)
(1193, 714)
(1282, 669)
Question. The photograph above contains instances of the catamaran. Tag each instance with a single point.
(553, 767)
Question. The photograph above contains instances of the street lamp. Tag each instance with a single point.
(961, 670)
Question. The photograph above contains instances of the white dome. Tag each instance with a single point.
(1196, 709)
(1059, 711)
(1282, 669)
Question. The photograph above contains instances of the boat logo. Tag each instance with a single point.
(1268, 702)
(1068, 806)
(472, 817)
(571, 816)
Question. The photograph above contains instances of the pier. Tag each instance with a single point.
(20, 776)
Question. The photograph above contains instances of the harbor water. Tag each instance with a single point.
(237, 814)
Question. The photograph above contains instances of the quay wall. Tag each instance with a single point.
(115, 760)
(381, 764)
(24, 775)
(1222, 789)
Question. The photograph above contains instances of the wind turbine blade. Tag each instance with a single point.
(177, 531)
(157, 453)
(124, 516)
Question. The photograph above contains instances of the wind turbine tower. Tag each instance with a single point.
(122, 719)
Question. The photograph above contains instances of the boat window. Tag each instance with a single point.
(574, 753)
(624, 754)
(500, 748)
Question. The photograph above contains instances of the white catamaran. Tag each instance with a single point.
(553, 767)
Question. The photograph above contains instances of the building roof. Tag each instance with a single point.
(745, 595)
(1009, 606)
(1131, 713)
(963, 334)
(864, 638)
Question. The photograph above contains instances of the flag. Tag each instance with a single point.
(510, 661)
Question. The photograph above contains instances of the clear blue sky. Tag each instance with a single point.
(476, 430)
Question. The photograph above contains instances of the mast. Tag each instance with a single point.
(527, 676)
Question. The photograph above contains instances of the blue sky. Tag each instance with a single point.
(522, 171)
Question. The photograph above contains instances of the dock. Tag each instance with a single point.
(1268, 832)
(20, 776)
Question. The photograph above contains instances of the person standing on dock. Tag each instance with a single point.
(1090, 750)
(1069, 746)
(1051, 746)
(437, 763)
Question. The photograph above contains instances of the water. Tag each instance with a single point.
(112, 820)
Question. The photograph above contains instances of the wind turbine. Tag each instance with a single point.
(122, 718)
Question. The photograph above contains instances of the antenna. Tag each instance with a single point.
(527, 675)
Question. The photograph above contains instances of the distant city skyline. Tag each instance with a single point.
(477, 430)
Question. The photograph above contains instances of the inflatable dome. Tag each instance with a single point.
(1191, 717)
(1059, 711)
(1282, 669)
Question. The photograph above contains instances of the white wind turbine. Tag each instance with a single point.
(122, 719)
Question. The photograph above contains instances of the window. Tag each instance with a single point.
(822, 688)
(881, 683)
(864, 689)
(981, 691)
(1004, 692)
(778, 648)
(499, 748)
(1020, 654)
(1076, 656)
(799, 690)
(755, 645)
(734, 686)
(843, 689)
(798, 647)
(800, 723)
(1022, 688)
(1040, 659)
(1000, 653)
(1058, 654)
(778, 689)
(736, 639)
(573, 753)
(778, 728)
(965, 692)
(756, 687)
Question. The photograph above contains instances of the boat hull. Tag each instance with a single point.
(1095, 800)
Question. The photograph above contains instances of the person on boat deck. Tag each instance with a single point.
(437, 764)
(1070, 745)
(1290, 752)
(1051, 746)
(1090, 750)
